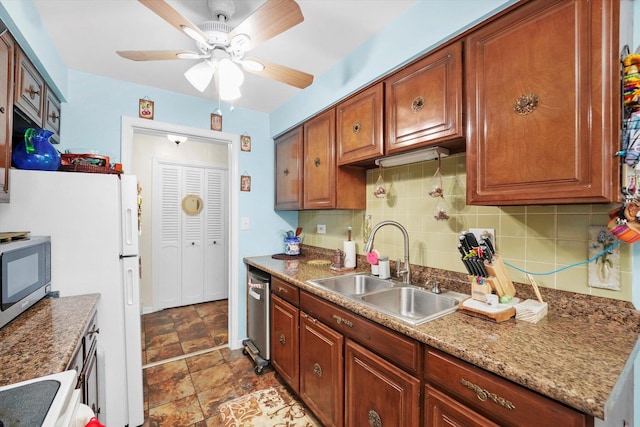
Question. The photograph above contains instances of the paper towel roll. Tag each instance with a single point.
(349, 254)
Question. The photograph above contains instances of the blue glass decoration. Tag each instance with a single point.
(35, 152)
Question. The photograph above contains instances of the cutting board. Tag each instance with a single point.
(497, 313)
(16, 235)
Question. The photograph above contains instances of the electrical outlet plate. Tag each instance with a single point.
(480, 231)
(321, 229)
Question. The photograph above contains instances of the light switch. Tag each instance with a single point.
(244, 223)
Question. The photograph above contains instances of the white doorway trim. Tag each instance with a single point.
(131, 125)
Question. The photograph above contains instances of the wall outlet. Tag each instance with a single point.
(480, 231)
(321, 229)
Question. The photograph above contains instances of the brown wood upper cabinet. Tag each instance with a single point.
(7, 46)
(543, 105)
(327, 186)
(424, 102)
(34, 98)
(360, 125)
(289, 170)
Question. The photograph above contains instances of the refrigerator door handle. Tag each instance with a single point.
(128, 278)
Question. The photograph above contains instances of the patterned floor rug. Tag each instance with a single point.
(270, 407)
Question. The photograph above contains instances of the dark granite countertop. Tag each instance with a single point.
(41, 341)
(574, 355)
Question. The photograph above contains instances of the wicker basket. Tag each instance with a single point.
(88, 169)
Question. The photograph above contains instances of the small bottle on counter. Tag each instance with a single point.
(384, 271)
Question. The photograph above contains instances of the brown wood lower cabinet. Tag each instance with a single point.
(322, 370)
(284, 340)
(378, 393)
(444, 411)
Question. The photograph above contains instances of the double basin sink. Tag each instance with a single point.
(409, 303)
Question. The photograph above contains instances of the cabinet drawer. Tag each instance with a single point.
(29, 88)
(401, 350)
(496, 398)
(286, 291)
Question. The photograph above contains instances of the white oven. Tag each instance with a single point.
(50, 401)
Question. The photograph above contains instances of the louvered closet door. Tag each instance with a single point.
(167, 268)
(215, 254)
(193, 240)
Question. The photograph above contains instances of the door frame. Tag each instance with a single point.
(131, 125)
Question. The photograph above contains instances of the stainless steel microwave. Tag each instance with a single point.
(25, 275)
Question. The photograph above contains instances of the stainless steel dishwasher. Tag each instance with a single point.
(257, 345)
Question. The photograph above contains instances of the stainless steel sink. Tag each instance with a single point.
(411, 304)
(353, 284)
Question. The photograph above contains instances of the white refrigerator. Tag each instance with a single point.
(93, 223)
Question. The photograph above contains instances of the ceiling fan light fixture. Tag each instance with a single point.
(200, 75)
(230, 74)
(193, 34)
(229, 93)
(176, 138)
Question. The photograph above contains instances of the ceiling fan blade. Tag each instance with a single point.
(280, 73)
(173, 17)
(269, 20)
(157, 55)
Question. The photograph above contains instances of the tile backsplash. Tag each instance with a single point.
(537, 239)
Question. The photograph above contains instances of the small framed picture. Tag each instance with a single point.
(245, 183)
(145, 109)
(245, 143)
(216, 121)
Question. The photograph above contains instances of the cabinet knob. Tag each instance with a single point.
(93, 331)
(374, 419)
(356, 127)
(317, 161)
(526, 104)
(2, 110)
(417, 104)
(317, 370)
(33, 92)
(285, 172)
(483, 395)
(339, 320)
(282, 339)
(282, 290)
(54, 117)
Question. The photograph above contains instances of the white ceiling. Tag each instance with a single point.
(88, 32)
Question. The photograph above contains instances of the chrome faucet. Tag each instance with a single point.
(404, 272)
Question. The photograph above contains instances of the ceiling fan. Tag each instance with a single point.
(223, 49)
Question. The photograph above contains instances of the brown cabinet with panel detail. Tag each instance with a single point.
(359, 127)
(7, 46)
(457, 390)
(543, 105)
(289, 170)
(424, 103)
(284, 332)
(34, 98)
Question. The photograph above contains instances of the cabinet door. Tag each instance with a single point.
(359, 135)
(543, 105)
(424, 102)
(6, 112)
(29, 88)
(52, 113)
(91, 387)
(321, 370)
(443, 411)
(320, 161)
(378, 393)
(289, 170)
(193, 244)
(284, 341)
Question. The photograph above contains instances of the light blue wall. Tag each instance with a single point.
(91, 118)
(423, 27)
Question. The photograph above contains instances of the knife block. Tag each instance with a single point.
(502, 283)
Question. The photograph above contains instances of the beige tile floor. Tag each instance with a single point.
(184, 380)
